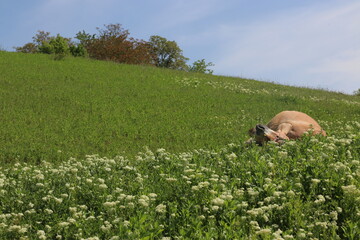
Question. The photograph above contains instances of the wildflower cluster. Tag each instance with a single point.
(240, 87)
(308, 189)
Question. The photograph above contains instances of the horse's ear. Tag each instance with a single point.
(252, 131)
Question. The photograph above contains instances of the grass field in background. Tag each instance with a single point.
(59, 109)
(96, 150)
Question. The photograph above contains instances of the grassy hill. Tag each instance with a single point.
(60, 109)
(74, 166)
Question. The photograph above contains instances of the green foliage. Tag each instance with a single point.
(59, 46)
(201, 66)
(84, 38)
(307, 189)
(167, 53)
(41, 37)
(78, 50)
(113, 43)
(357, 92)
(27, 48)
(56, 45)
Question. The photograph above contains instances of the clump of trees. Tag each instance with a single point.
(57, 45)
(113, 43)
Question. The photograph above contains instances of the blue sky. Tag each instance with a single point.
(313, 43)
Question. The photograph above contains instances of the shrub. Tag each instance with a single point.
(27, 48)
(201, 66)
(78, 50)
(57, 45)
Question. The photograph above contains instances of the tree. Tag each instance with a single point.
(44, 43)
(201, 66)
(167, 53)
(113, 43)
(56, 45)
(27, 48)
(84, 38)
(38, 40)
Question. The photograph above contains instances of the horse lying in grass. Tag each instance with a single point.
(284, 126)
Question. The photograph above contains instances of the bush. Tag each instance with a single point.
(201, 66)
(27, 48)
(57, 45)
(78, 50)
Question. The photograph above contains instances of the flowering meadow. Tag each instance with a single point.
(73, 163)
(308, 189)
(53, 110)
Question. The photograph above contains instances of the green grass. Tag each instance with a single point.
(74, 166)
(80, 106)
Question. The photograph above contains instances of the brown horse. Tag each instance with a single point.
(284, 126)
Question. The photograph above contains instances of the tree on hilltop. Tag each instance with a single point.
(167, 53)
(115, 44)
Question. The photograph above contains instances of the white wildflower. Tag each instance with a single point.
(130, 197)
(41, 234)
(14, 228)
(152, 195)
(126, 223)
(64, 224)
(161, 208)
(321, 224)
(58, 200)
(264, 231)
(64, 195)
(218, 201)
(195, 188)
(204, 184)
(315, 181)
(143, 202)
(320, 199)
(115, 238)
(109, 204)
(170, 179)
(215, 208)
(231, 156)
(48, 211)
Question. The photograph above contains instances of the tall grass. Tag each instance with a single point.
(74, 166)
(307, 189)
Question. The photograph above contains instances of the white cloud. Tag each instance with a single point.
(302, 47)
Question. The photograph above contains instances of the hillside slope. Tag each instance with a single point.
(56, 109)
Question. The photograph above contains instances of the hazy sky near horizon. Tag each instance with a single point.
(311, 43)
